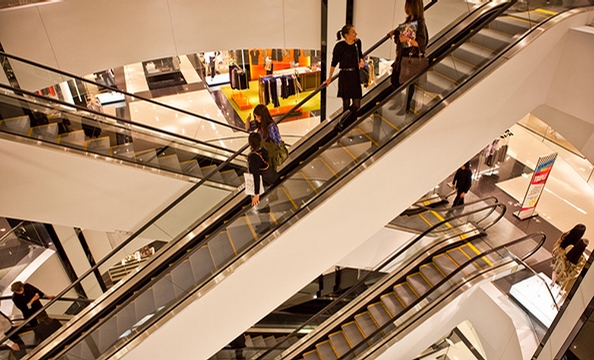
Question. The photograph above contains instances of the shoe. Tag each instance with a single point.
(402, 111)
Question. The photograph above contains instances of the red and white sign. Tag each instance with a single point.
(537, 184)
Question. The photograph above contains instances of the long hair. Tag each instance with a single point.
(344, 31)
(415, 9)
(265, 119)
(574, 254)
(573, 236)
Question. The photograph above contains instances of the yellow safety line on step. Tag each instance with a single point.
(368, 137)
(249, 224)
(290, 198)
(347, 150)
(231, 241)
(476, 251)
(327, 165)
(308, 182)
(386, 121)
(546, 12)
(424, 219)
(410, 287)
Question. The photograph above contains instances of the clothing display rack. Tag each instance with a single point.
(239, 81)
(494, 153)
(273, 87)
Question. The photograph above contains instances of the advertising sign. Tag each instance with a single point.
(537, 184)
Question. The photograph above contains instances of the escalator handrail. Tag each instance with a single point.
(64, 73)
(448, 278)
(383, 264)
(104, 115)
(178, 200)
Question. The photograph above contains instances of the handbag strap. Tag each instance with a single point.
(264, 161)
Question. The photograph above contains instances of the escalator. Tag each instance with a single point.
(470, 222)
(410, 297)
(242, 236)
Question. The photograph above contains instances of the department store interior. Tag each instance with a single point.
(123, 187)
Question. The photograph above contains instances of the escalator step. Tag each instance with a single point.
(445, 263)
(270, 341)
(460, 258)
(182, 279)
(379, 313)
(392, 304)
(418, 283)
(473, 54)
(431, 273)
(240, 234)
(492, 39)
(339, 343)
(454, 69)
(318, 171)
(472, 252)
(405, 294)
(325, 350)
(202, 264)
(510, 25)
(311, 355)
(353, 334)
(258, 341)
(164, 290)
(221, 249)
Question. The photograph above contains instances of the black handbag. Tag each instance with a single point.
(412, 65)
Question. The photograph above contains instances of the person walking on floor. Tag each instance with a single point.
(349, 55)
(411, 40)
(462, 182)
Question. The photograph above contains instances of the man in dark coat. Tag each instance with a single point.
(26, 298)
(462, 182)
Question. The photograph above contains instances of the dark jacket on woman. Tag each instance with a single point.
(349, 84)
(258, 165)
(422, 37)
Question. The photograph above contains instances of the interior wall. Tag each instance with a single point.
(83, 36)
(572, 90)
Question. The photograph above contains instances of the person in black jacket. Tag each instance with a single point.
(462, 182)
(26, 298)
(349, 55)
(411, 41)
(258, 165)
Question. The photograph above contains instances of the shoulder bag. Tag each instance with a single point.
(412, 65)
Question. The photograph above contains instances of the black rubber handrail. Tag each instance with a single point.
(61, 72)
(324, 312)
(445, 280)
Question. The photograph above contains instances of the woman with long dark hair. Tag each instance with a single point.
(268, 130)
(569, 238)
(411, 41)
(259, 165)
(349, 55)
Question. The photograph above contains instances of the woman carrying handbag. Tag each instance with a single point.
(411, 43)
(259, 167)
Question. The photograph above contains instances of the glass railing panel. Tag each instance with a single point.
(19, 247)
(75, 90)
